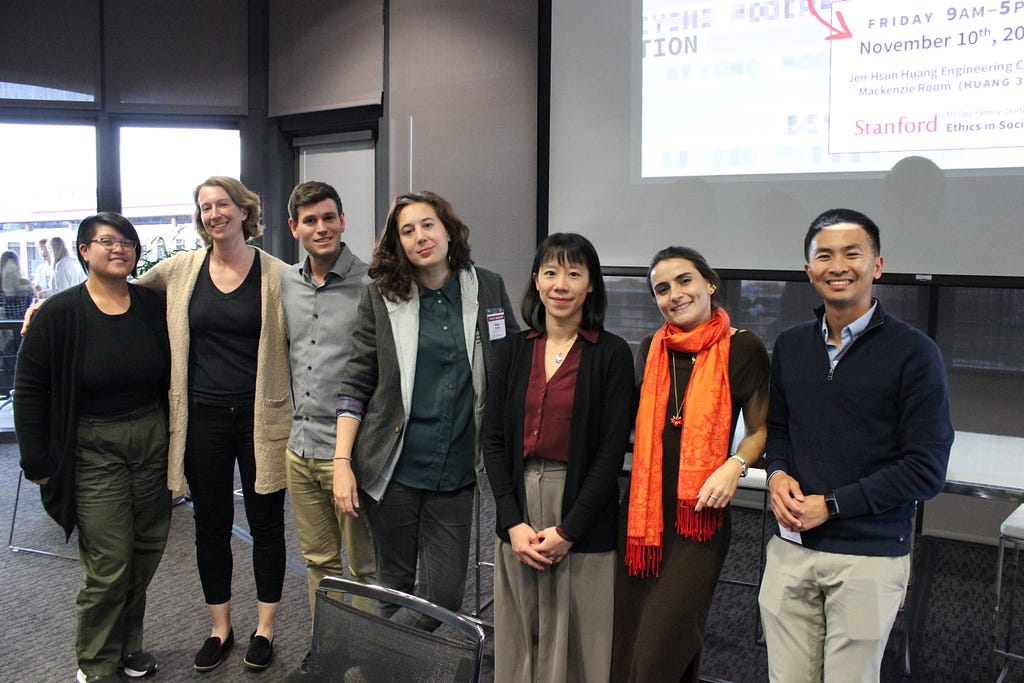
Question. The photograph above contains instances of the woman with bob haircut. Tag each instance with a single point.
(556, 428)
(91, 420)
(230, 402)
(411, 400)
(697, 373)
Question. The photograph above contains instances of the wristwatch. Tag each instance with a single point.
(741, 460)
(831, 504)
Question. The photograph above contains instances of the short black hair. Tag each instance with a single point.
(567, 247)
(87, 230)
(836, 216)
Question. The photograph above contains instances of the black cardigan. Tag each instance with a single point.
(602, 416)
(48, 390)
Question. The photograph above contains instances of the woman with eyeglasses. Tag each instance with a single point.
(90, 413)
(230, 402)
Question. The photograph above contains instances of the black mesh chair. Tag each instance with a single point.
(353, 646)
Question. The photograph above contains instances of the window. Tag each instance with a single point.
(160, 167)
(981, 334)
(47, 185)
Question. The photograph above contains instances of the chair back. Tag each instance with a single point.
(354, 646)
(15, 305)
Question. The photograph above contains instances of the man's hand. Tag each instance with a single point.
(815, 513)
(787, 501)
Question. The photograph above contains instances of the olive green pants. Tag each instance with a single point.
(123, 513)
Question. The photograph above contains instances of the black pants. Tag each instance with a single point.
(218, 437)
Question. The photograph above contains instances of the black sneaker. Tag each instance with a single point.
(138, 665)
(260, 653)
(213, 652)
(302, 673)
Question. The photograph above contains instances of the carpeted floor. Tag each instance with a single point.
(951, 632)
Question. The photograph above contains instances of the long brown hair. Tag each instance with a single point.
(391, 271)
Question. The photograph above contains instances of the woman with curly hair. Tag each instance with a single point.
(411, 400)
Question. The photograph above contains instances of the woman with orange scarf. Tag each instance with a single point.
(697, 373)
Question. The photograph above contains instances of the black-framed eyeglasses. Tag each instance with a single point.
(109, 243)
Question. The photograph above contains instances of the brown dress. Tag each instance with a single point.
(659, 621)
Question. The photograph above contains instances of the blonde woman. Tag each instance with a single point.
(230, 403)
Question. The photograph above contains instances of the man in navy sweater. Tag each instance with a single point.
(858, 432)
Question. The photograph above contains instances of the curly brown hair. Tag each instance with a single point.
(391, 271)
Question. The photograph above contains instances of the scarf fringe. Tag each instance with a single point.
(700, 526)
(642, 559)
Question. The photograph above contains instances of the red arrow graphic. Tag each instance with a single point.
(837, 34)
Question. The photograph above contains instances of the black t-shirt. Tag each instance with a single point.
(224, 329)
(126, 359)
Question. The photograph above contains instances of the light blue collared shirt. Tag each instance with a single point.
(847, 335)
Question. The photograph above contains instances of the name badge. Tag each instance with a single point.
(792, 536)
(496, 323)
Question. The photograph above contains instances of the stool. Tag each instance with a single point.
(1011, 532)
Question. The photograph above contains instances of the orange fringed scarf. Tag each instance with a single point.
(703, 445)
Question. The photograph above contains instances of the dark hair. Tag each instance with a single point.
(837, 216)
(694, 257)
(9, 256)
(87, 230)
(240, 195)
(312, 192)
(571, 248)
(391, 271)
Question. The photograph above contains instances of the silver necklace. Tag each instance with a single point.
(559, 356)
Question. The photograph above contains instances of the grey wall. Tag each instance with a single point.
(461, 118)
(459, 103)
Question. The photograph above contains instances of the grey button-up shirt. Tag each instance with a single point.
(320, 320)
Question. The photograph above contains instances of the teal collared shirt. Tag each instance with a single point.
(847, 335)
(437, 453)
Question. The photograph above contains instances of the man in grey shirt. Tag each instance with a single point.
(320, 296)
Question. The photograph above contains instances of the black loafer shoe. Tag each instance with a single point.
(213, 652)
(260, 653)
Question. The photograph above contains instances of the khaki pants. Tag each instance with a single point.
(827, 616)
(124, 513)
(322, 529)
(552, 626)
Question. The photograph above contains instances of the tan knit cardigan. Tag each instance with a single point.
(273, 406)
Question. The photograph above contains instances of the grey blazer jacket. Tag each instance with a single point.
(382, 369)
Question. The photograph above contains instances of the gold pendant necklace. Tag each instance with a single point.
(677, 419)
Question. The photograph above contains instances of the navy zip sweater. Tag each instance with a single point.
(875, 429)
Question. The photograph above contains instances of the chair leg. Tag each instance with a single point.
(761, 559)
(1014, 578)
(14, 516)
(14, 519)
(1013, 595)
